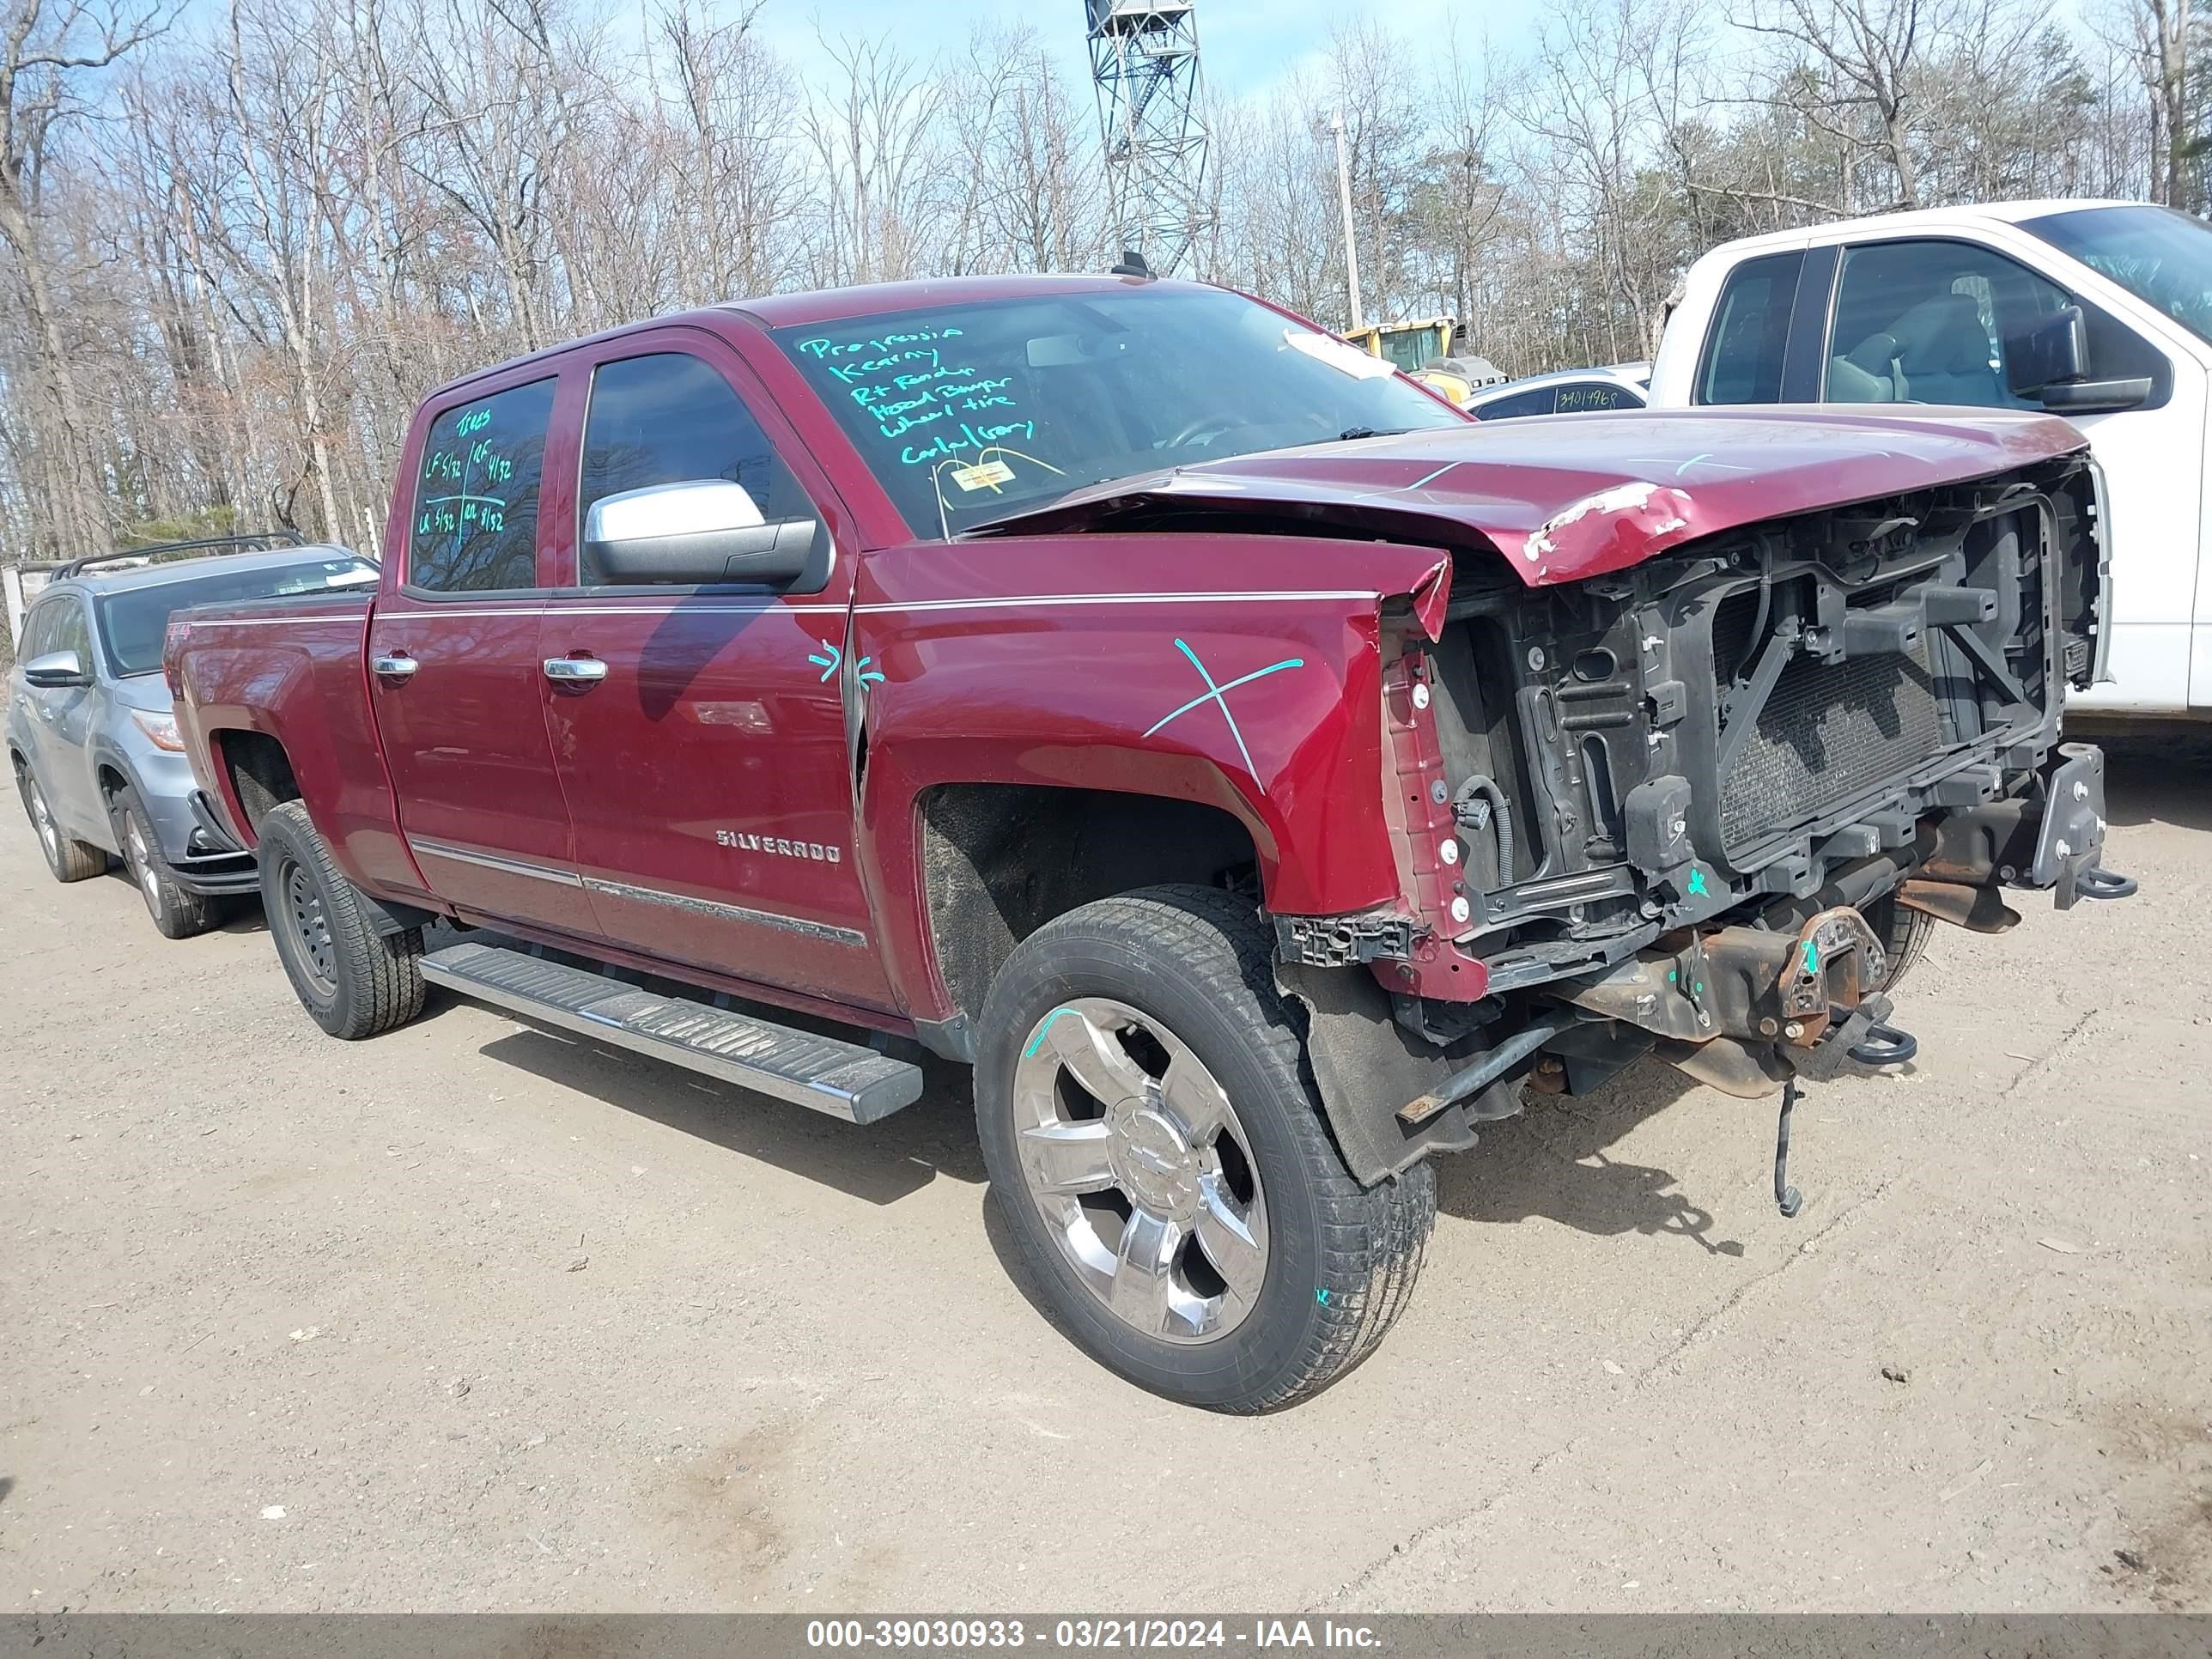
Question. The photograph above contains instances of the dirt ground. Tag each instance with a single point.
(472, 1316)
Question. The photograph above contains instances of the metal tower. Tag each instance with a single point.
(1144, 59)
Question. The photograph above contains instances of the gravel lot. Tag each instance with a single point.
(472, 1316)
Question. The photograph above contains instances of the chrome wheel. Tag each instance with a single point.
(1136, 1159)
(310, 928)
(142, 864)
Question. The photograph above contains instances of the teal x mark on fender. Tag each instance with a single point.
(1219, 694)
(1697, 887)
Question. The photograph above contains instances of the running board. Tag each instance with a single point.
(841, 1078)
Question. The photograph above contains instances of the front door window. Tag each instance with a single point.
(1927, 322)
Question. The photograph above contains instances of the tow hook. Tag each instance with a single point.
(1884, 1045)
(2099, 883)
(1861, 1037)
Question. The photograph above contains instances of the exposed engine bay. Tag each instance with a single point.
(1707, 805)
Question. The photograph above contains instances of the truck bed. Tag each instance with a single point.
(292, 671)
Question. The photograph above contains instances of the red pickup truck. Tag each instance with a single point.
(1260, 772)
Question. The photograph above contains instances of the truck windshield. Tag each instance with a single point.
(2160, 255)
(133, 620)
(969, 413)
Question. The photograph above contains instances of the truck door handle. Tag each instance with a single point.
(394, 665)
(574, 670)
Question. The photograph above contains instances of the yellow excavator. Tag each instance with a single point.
(1424, 350)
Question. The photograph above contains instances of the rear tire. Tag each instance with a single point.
(1282, 1272)
(178, 911)
(353, 982)
(69, 858)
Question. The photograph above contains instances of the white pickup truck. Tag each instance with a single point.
(2099, 311)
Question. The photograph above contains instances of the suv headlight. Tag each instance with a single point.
(161, 728)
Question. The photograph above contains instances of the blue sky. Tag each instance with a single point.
(1244, 45)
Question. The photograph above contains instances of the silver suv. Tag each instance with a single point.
(90, 734)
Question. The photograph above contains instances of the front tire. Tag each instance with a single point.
(178, 911)
(1159, 1151)
(1904, 934)
(353, 982)
(69, 858)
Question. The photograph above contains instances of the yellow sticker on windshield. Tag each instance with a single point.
(984, 475)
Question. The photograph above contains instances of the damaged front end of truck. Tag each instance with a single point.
(1688, 763)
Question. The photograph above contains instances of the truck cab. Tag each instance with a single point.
(1962, 307)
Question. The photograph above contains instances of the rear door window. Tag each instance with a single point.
(1750, 336)
(38, 629)
(474, 528)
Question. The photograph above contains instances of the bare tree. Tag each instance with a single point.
(872, 136)
(737, 181)
(1384, 131)
(47, 49)
(1859, 63)
(1020, 146)
(2161, 41)
(229, 273)
(1465, 195)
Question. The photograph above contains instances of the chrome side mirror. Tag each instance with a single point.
(707, 530)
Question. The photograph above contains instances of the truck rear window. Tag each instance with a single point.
(1751, 332)
(967, 413)
(474, 528)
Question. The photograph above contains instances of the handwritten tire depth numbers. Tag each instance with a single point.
(475, 461)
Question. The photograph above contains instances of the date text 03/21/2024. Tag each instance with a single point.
(1263, 1634)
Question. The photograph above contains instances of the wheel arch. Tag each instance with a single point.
(111, 772)
(254, 772)
(998, 860)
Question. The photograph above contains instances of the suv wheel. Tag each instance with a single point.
(353, 980)
(69, 860)
(1159, 1151)
(178, 911)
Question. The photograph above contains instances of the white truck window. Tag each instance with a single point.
(1744, 354)
(1927, 322)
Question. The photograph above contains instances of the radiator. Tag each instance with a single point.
(1828, 733)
